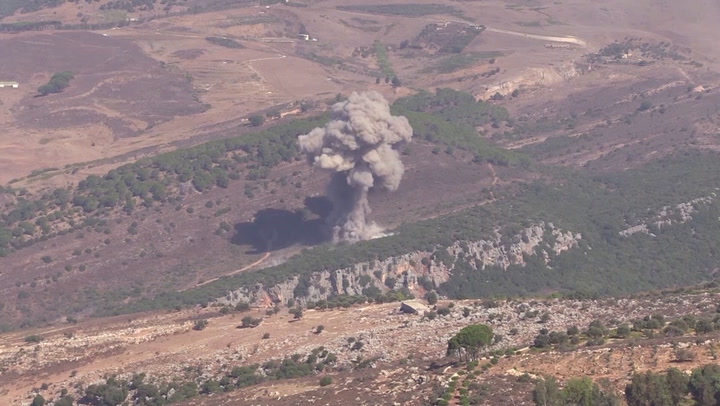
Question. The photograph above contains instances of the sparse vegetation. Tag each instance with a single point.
(33, 339)
(200, 325)
(225, 42)
(458, 61)
(383, 61)
(407, 9)
(250, 322)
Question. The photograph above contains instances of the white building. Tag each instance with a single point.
(10, 84)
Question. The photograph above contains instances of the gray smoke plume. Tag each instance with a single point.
(360, 145)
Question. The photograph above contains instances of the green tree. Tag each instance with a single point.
(648, 389)
(58, 82)
(469, 341)
(580, 392)
(623, 331)
(200, 325)
(297, 313)
(65, 401)
(704, 385)
(111, 393)
(704, 326)
(547, 393)
(256, 120)
(211, 386)
(38, 401)
(250, 322)
(677, 382)
(431, 298)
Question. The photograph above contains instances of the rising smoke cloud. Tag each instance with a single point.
(360, 145)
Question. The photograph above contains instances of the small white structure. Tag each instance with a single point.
(10, 84)
(413, 307)
(305, 37)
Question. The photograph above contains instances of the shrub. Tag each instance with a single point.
(256, 120)
(325, 381)
(33, 339)
(46, 259)
(38, 401)
(266, 336)
(250, 322)
(200, 325)
(684, 355)
(623, 331)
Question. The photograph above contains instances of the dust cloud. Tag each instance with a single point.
(360, 145)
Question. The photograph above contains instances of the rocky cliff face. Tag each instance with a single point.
(536, 77)
(669, 215)
(415, 271)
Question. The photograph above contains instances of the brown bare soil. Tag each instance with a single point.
(117, 93)
(164, 345)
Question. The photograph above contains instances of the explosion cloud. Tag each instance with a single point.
(360, 145)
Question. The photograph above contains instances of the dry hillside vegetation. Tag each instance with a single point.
(156, 200)
(170, 346)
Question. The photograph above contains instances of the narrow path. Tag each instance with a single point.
(494, 175)
(254, 264)
(262, 79)
(565, 39)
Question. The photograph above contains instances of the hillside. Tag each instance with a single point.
(221, 202)
(371, 353)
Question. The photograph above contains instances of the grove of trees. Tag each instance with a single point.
(469, 341)
(58, 82)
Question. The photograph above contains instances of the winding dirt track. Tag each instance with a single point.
(254, 264)
(566, 39)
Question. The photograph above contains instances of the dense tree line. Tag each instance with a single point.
(133, 5)
(597, 207)
(446, 118)
(674, 387)
(29, 26)
(141, 391)
(9, 7)
(450, 118)
(576, 391)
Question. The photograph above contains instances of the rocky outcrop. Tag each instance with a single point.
(668, 215)
(496, 253)
(536, 77)
(417, 271)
